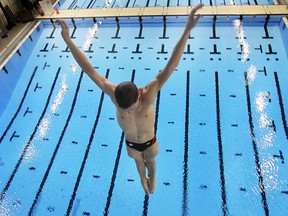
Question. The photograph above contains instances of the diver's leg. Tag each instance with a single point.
(149, 156)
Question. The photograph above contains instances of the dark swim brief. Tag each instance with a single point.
(141, 146)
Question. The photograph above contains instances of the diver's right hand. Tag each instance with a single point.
(65, 28)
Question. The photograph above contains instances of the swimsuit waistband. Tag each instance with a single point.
(141, 146)
(153, 140)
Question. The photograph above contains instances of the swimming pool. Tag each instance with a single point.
(220, 121)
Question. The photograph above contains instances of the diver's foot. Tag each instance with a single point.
(152, 185)
(145, 185)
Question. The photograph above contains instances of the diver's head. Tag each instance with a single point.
(126, 95)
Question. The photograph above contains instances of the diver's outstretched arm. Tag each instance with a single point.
(174, 60)
(83, 62)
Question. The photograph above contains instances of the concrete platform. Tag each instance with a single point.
(245, 10)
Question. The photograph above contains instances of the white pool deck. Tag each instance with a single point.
(245, 10)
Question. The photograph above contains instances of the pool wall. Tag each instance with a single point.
(11, 72)
(284, 33)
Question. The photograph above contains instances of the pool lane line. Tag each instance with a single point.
(127, 3)
(91, 4)
(57, 146)
(113, 4)
(73, 4)
(113, 178)
(185, 207)
(20, 105)
(266, 28)
(164, 36)
(220, 148)
(140, 35)
(53, 31)
(281, 104)
(255, 149)
(4, 191)
(146, 197)
(117, 30)
(214, 29)
(73, 196)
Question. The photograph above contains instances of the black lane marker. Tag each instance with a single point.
(4, 191)
(74, 30)
(220, 149)
(27, 111)
(89, 49)
(113, 49)
(20, 105)
(56, 148)
(45, 48)
(52, 33)
(112, 184)
(147, 3)
(68, 211)
(214, 29)
(215, 50)
(127, 4)
(162, 50)
(266, 29)
(14, 135)
(185, 207)
(270, 50)
(164, 29)
(72, 4)
(188, 50)
(117, 31)
(281, 104)
(90, 5)
(146, 197)
(113, 4)
(110, 193)
(255, 149)
(263, 71)
(140, 30)
(5, 70)
(137, 49)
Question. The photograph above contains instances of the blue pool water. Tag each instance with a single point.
(220, 121)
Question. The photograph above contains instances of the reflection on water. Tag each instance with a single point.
(45, 124)
(60, 96)
(261, 102)
(251, 74)
(91, 35)
(267, 133)
(43, 128)
(108, 3)
(73, 67)
(9, 207)
(31, 153)
(245, 50)
(266, 140)
(266, 128)
(270, 172)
